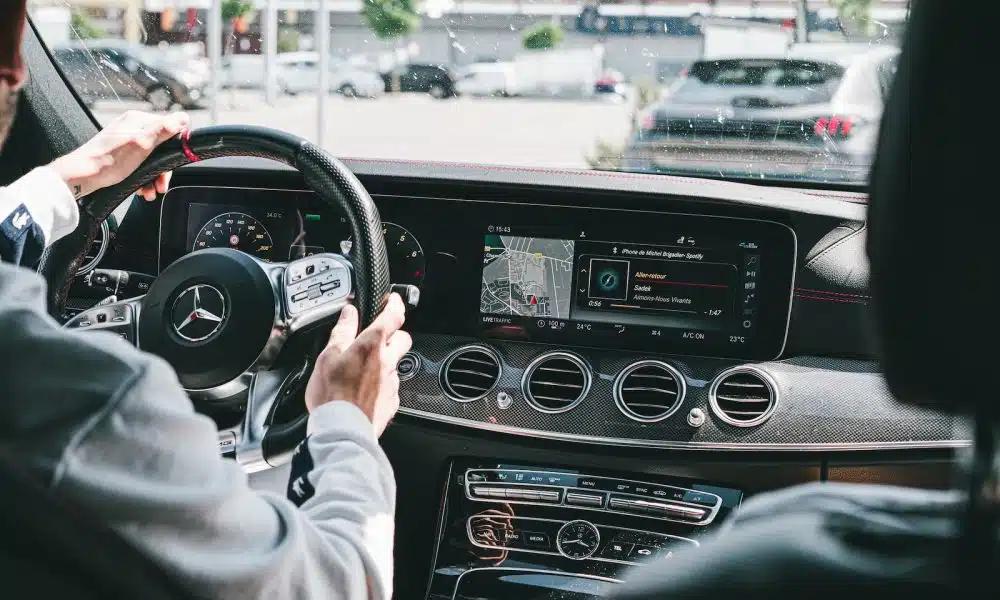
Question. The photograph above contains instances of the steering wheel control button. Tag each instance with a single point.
(314, 281)
(410, 294)
(112, 318)
(406, 368)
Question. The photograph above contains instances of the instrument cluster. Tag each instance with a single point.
(278, 232)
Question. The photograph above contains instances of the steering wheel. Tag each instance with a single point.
(219, 316)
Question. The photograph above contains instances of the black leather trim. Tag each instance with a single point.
(839, 260)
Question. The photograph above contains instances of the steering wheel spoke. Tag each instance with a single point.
(267, 389)
(118, 318)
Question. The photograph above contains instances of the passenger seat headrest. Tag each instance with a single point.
(933, 243)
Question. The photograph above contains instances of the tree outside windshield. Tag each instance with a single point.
(788, 90)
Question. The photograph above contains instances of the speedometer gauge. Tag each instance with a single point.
(238, 231)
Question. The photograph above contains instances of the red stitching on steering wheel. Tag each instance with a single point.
(188, 152)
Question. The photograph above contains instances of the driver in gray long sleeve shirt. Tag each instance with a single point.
(109, 428)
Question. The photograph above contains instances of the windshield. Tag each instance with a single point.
(767, 90)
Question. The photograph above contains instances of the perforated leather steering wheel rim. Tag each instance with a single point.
(329, 178)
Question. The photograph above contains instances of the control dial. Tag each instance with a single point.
(578, 539)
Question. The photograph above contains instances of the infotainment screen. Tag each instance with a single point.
(701, 293)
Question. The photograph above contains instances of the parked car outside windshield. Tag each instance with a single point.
(769, 91)
(779, 118)
(298, 72)
(116, 72)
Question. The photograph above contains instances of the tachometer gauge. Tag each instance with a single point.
(406, 256)
(235, 230)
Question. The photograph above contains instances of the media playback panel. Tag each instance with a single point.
(712, 291)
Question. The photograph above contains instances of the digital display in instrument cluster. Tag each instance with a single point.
(277, 234)
(264, 234)
(694, 293)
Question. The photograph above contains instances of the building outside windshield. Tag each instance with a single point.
(789, 90)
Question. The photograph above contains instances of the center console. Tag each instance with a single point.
(541, 532)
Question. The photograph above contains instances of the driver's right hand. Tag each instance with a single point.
(361, 368)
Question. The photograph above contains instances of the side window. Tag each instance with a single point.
(74, 64)
(886, 74)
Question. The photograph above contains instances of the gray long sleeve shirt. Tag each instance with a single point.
(110, 428)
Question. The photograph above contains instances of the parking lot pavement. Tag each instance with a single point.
(504, 131)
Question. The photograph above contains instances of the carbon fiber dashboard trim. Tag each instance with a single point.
(826, 404)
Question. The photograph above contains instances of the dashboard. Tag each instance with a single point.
(590, 317)
(594, 356)
(684, 283)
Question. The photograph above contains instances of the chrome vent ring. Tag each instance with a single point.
(743, 396)
(556, 382)
(649, 391)
(470, 373)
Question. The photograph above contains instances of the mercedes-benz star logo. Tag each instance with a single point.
(198, 313)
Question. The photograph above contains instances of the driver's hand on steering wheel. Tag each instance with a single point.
(117, 150)
(361, 368)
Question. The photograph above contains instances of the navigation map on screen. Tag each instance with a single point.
(530, 277)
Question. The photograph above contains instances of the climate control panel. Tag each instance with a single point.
(593, 493)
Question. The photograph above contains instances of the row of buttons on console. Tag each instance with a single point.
(594, 483)
(620, 545)
(541, 495)
(637, 547)
(656, 509)
(592, 499)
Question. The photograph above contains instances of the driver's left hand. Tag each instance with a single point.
(117, 150)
